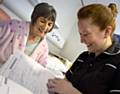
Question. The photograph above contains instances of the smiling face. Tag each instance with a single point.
(41, 27)
(91, 36)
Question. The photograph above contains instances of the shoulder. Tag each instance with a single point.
(18, 26)
(84, 55)
(81, 59)
(18, 22)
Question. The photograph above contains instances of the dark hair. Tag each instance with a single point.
(101, 15)
(43, 10)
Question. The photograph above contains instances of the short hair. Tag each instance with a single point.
(44, 10)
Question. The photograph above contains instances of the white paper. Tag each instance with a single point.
(28, 73)
(8, 86)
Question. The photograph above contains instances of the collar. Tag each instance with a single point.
(114, 48)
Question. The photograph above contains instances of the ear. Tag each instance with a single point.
(108, 31)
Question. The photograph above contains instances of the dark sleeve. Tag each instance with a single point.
(70, 71)
(77, 64)
(115, 89)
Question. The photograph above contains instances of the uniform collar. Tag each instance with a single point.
(114, 48)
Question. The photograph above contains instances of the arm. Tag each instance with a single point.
(6, 37)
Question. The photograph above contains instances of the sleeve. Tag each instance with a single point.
(8, 30)
(6, 41)
(116, 83)
(76, 64)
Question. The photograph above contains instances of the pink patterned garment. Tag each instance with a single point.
(13, 37)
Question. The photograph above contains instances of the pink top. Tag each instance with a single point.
(13, 37)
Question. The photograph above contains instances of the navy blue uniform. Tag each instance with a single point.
(92, 74)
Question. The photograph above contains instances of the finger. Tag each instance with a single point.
(51, 89)
(51, 83)
(58, 78)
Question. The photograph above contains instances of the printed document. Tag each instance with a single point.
(28, 73)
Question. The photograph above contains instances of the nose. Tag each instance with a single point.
(81, 40)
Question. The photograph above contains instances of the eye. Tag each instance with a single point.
(86, 34)
(42, 21)
(50, 24)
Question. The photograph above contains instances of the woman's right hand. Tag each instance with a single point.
(61, 86)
